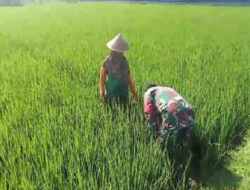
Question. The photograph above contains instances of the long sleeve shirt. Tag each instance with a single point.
(171, 106)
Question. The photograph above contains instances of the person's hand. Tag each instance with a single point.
(158, 142)
(135, 98)
(102, 96)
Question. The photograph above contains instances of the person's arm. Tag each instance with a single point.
(150, 112)
(102, 82)
(132, 88)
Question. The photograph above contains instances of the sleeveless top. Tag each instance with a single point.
(118, 74)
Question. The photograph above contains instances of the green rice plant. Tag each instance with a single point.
(55, 133)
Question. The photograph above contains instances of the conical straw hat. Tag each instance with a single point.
(118, 44)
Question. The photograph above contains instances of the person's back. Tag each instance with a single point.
(118, 73)
(176, 113)
(115, 69)
(162, 95)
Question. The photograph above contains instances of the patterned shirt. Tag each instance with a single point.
(172, 107)
(118, 68)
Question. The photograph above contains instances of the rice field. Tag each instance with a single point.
(54, 131)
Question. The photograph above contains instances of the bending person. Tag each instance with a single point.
(166, 105)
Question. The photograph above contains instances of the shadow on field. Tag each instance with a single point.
(223, 178)
(208, 167)
(205, 167)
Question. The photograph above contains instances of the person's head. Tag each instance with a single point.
(150, 85)
(118, 44)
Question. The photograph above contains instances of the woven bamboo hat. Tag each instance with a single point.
(118, 44)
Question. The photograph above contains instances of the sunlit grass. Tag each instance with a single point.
(54, 131)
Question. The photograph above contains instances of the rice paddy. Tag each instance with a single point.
(54, 131)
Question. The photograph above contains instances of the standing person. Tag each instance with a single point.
(164, 103)
(115, 75)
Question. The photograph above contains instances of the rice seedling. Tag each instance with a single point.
(54, 131)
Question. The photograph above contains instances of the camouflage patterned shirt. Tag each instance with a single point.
(166, 103)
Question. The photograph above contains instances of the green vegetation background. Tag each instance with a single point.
(54, 131)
